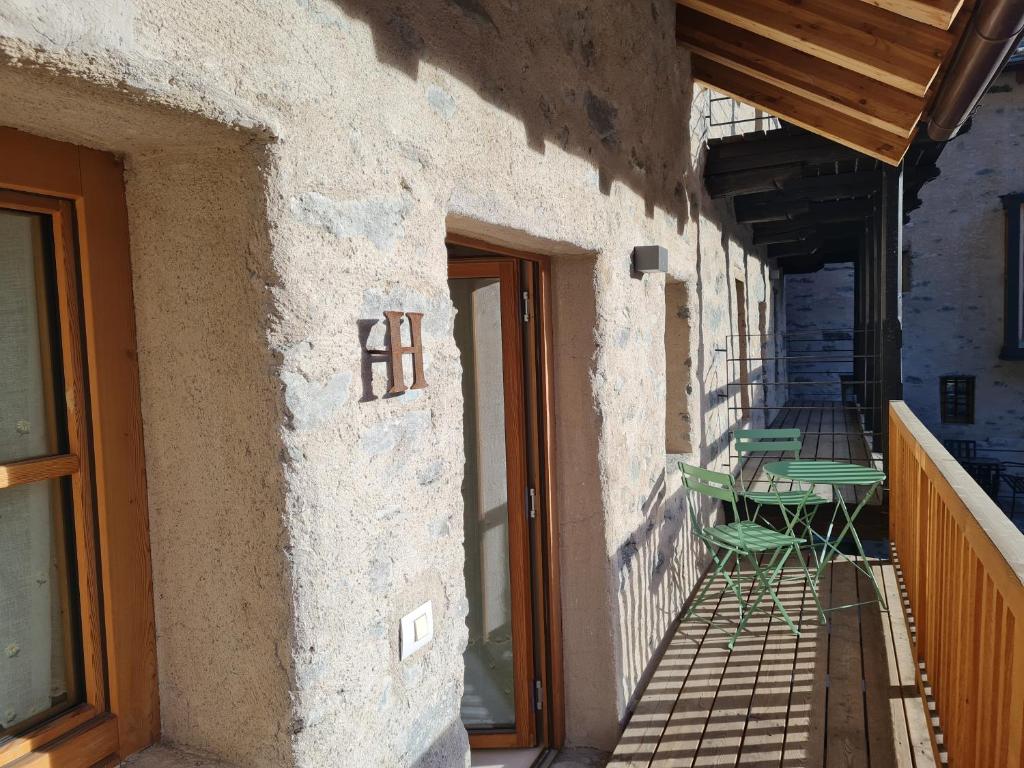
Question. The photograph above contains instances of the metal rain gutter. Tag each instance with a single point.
(988, 42)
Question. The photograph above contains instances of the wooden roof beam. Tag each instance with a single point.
(807, 149)
(801, 230)
(842, 210)
(937, 13)
(858, 36)
(751, 180)
(778, 235)
(839, 186)
(870, 140)
(789, 250)
(798, 72)
(759, 211)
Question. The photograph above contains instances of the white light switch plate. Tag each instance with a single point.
(417, 630)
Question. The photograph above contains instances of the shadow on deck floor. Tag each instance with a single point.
(842, 694)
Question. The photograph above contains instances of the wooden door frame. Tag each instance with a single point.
(545, 534)
(506, 272)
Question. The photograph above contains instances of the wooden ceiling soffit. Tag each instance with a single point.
(851, 93)
(772, 234)
(781, 180)
(752, 180)
(937, 13)
(874, 142)
(858, 72)
(802, 149)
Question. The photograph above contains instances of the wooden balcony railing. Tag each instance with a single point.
(963, 566)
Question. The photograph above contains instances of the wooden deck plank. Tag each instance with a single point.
(764, 732)
(766, 703)
(682, 736)
(723, 729)
(914, 709)
(888, 740)
(805, 728)
(647, 725)
(886, 716)
(846, 746)
(731, 715)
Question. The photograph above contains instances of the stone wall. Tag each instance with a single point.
(292, 171)
(819, 323)
(953, 299)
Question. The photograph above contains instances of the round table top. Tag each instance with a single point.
(826, 472)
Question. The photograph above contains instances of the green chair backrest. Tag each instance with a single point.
(768, 441)
(718, 485)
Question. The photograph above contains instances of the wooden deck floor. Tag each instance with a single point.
(830, 430)
(843, 694)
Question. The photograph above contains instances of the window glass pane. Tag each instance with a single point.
(39, 661)
(31, 423)
(489, 700)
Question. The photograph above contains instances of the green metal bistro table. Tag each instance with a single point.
(835, 474)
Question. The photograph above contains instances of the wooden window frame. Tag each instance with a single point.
(947, 409)
(1013, 302)
(83, 190)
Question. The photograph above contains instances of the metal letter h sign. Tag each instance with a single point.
(397, 351)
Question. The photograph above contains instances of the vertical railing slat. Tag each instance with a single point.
(963, 569)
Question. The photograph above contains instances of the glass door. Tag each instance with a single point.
(498, 703)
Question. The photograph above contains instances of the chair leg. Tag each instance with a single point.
(721, 569)
(812, 584)
(782, 555)
(764, 587)
(746, 608)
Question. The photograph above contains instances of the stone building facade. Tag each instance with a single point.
(292, 170)
(820, 328)
(953, 318)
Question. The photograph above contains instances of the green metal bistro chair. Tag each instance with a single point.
(750, 442)
(735, 545)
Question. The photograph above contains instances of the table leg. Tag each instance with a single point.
(830, 549)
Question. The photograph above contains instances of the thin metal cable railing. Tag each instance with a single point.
(825, 381)
(724, 116)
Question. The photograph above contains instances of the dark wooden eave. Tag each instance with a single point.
(806, 198)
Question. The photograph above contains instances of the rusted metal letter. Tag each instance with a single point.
(397, 351)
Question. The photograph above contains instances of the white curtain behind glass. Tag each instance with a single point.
(31, 641)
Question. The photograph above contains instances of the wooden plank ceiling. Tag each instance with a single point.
(859, 72)
(808, 199)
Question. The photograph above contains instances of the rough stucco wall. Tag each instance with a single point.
(211, 405)
(953, 304)
(387, 123)
(211, 419)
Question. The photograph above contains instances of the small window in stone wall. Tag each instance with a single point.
(956, 399)
(677, 368)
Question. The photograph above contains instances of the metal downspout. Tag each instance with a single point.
(989, 40)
